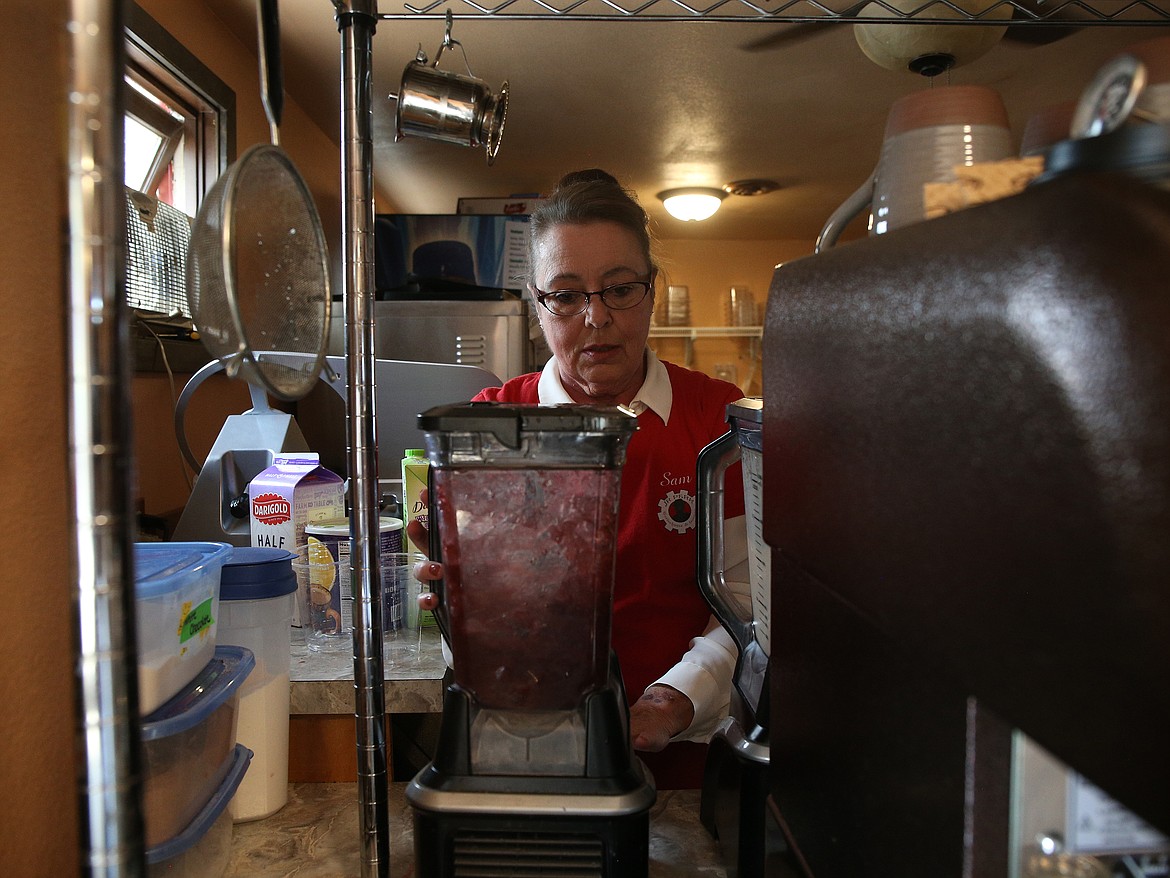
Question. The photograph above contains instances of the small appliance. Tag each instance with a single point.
(533, 772)
(967, 502)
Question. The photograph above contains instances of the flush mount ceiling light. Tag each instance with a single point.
(692, 203)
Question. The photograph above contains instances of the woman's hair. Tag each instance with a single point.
(590, 196)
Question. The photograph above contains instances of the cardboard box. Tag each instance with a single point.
(293, 492)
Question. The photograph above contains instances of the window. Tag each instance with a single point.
(179, 126)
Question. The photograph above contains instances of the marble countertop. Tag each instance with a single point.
(316, 835)
(413, 668)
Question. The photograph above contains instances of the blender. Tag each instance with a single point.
(733, 802)
(533, 770)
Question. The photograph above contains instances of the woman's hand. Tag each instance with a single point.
(660, 714)
(424, 571)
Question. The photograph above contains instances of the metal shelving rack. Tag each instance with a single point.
(1087, 13)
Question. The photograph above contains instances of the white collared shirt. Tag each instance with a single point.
(654, 394)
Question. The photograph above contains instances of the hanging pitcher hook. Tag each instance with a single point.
(448, 42)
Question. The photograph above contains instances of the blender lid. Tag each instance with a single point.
(508, 423)
(750, 408)
(746, 417)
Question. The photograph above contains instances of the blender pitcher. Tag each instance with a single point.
(525, 508)
(747, 617)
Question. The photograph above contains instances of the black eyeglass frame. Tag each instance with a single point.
(647, 286)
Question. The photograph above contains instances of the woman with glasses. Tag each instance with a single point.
(592, 283)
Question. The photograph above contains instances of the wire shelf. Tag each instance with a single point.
(1081, 13)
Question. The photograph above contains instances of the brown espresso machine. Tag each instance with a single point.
(967, 439)
(533, 772)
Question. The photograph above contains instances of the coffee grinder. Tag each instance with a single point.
(732, 806)
(533, 772)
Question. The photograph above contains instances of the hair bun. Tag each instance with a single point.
(589, 175)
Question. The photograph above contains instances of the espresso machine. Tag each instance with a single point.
(968, 503)
(533, 772)
(735, 782)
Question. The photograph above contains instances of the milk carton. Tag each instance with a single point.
(293, 492)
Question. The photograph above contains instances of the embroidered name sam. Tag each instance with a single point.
(669, 481)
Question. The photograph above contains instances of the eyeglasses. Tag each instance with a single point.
(570, 303)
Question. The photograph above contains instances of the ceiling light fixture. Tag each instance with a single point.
(692, 203)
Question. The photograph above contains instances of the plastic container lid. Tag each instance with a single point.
(197, 828)
(416, 452)
(161, 568)
(211, 687)
(254, 573)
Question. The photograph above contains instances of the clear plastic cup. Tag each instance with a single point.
(401, 618)
(325, 593)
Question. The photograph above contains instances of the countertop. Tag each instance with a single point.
(413, 668)
(316, 835)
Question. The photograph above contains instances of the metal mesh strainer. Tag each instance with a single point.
(258, 276)
(257, 267)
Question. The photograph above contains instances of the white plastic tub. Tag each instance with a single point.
(204, 848)
(176, 590)
(257, 593)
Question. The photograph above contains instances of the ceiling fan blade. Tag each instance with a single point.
(1039, 34)
(791, 34)
(1054, 27)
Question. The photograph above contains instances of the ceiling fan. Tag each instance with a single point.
(1061, 19)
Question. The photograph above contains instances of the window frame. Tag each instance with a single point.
(157, 58)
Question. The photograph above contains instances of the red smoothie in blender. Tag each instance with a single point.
(528, 557)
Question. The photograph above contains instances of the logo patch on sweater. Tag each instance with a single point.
(677, 511)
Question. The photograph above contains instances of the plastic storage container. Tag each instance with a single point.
(176, 589)
(256, 596)
(203, 849)
(187, 744)
(525, 502)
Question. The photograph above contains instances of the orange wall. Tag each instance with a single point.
(38, 826)
(709, 269)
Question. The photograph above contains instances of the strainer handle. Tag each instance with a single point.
(709, 563)
(271, 73)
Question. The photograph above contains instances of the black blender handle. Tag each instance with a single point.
(710, 470)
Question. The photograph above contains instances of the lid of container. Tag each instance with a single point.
(160, 568)
(253, 573)
(507, 423)
(341, 528)
(746, 417)
(212, 686)
(416, 452)
(241, 758)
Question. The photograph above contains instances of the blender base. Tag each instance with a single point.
(496, 839)
(733, 803)
(587, 817)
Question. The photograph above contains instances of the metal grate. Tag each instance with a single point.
(527, 855)
(1020, 13)
(156, 255)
